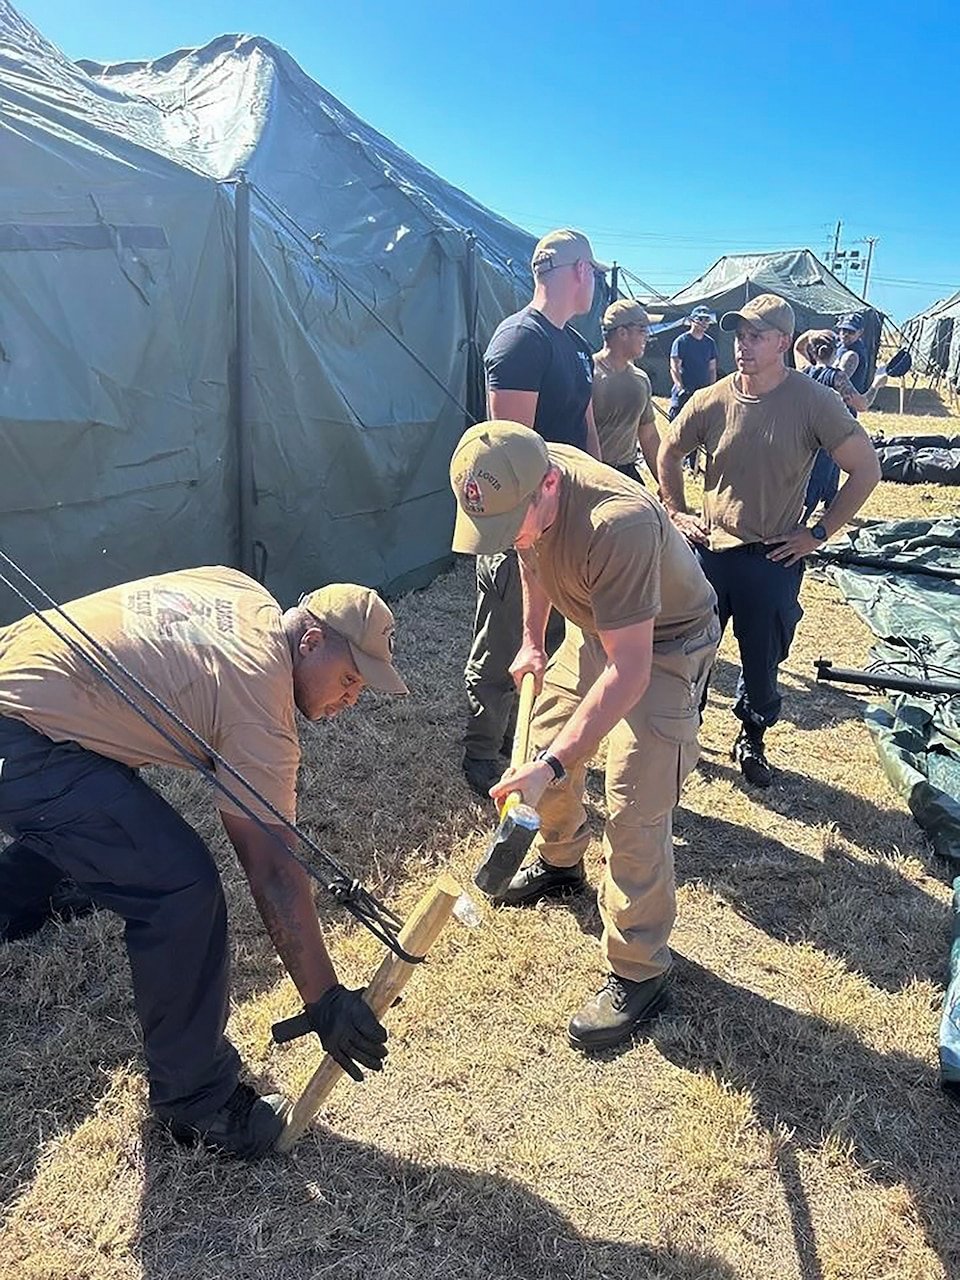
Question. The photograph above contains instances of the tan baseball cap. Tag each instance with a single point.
(562, 249)
(764, 312)
(624, 312)
(360, 616)
(494, 471)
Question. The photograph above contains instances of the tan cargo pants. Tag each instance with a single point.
(650, 752)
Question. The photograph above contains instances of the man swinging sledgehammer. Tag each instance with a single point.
(641, 635)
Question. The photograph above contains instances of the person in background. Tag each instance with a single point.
(693, 359)
(539, 372)
(761, 428)
(853, 359)
(817, 350)
(622, 395)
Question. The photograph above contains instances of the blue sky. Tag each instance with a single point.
(671, 133)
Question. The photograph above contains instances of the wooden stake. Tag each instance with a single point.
(420, 931)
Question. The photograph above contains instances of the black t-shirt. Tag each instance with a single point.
(528, 353)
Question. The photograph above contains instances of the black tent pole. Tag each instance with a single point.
(474, 397)
(245, 495)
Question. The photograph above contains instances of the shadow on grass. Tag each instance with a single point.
(867, 915)
(811, 800)
(807, 1075)
(921, 401)
(347, 1210)
(810, 706)
(58, 987)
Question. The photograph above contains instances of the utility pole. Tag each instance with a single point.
(871, 241)
(836, 245)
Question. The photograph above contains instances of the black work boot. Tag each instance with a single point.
(482, 774)
(246, 1125)
(749, 755)
(67, 902)
(615, 1012)
(538, 879)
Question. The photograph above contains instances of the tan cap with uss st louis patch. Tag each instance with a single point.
(495, 470)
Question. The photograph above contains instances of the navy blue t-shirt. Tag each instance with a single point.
(528, 353)
(860, 376)
(694, 355)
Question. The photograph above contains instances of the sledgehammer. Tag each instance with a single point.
(519, 823)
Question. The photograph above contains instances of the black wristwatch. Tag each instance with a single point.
(559, 772)
(818, 531)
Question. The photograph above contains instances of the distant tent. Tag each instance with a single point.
(816, 295)
(933, 338)
(143, 427)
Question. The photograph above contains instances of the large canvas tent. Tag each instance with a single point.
(933, 338)
(239, 324)
(816, 295)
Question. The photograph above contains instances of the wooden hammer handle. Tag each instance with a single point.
(521, 735)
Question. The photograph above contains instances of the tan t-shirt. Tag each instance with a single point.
(760, 452)
(622, 403)
(208, 642)
(612, 557)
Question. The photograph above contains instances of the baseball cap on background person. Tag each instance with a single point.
(495, 470)
(624, 312)
(703, 314)
(854, 323)
(765, 312)
(562, 249)
(360, 616)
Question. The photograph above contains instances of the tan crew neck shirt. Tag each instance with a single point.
(622, 404)
(613, 558)
(208, 642)
(760, 452)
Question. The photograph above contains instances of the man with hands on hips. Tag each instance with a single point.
(761, 428)
(641, 635)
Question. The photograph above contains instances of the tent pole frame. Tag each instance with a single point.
(243, 376)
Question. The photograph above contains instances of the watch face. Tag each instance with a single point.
(819, 532)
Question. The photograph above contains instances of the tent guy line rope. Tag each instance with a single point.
(348, 892)
(312, 241)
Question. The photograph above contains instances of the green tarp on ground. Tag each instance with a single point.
(916, 617)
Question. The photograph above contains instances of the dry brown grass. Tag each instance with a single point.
(782, 1120)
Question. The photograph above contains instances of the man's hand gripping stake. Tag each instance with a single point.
(519, 823)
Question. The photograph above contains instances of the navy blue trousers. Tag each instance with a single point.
(75, 813)
(761, 597)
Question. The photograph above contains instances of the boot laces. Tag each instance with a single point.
(617, 989)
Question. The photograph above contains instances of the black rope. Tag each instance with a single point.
(349, 892)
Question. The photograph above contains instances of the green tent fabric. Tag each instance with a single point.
(816, 295)
(933, 339)
(126, 414)
(916, 617)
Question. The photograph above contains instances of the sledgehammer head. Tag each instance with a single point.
(507, 848)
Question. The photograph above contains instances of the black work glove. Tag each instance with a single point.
(348, 1030)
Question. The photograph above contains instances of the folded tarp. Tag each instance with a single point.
(928, 459)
